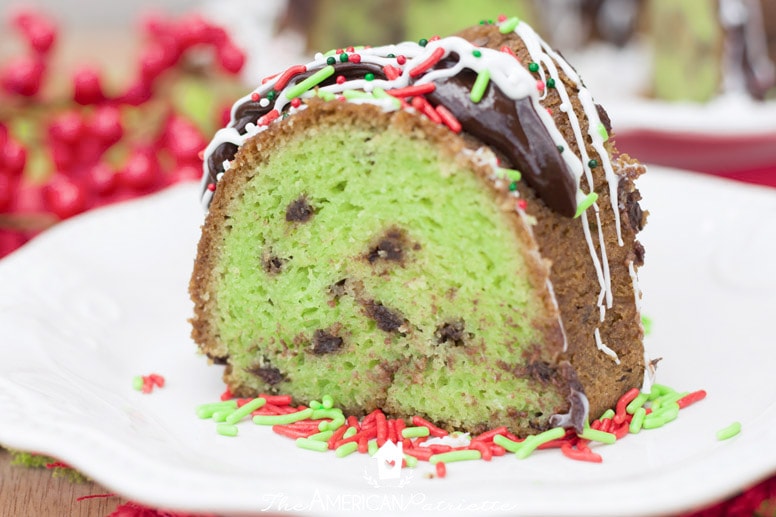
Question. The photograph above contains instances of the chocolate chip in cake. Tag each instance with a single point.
(271, 263)
(337, 289)
(453, 332)
(267, 373)
(216, 359)
(325, 343)
(604, 117)
(638, 250)
(387, 319)
(390, 246)
(299, 210)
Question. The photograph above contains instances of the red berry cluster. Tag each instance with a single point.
(90, 151)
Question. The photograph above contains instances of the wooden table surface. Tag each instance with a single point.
(35, 492)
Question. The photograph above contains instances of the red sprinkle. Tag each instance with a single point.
(422, 105)
(336, 436)
(484, 449)
(288, 432)
(227, 394)
(432, 429)
(691, 398)
(430, 61)
(269, 78)
(401, 59)
(296, 102)
(488, 435)
(415, 89)
(391, 72)
(582, 453)
(354, 58)
(278, 400)
(255, 97)
(497, 450)
(508, 50)
(341, 79)
(382, 429)
(287, 75)
(441, 470)
(212, 188)
(363, 445)
(422, 453)
(619, 410)
(522, 204)
(449, 119)
(267, 119)
(392, 434)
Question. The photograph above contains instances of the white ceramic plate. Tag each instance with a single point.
(102, 298)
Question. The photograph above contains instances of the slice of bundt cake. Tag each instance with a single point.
(432, 228)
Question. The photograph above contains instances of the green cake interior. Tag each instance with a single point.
(368, 265)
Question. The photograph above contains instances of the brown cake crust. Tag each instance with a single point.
(562, 241)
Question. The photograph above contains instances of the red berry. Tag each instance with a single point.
(7, 188)
(39, 31)
(184, 139)
(136, 94)
(105, 124)
(14, 157)
(141, 170)
(155, 25)
(23, 75)
(102, 179)
(67, 127)
(185, 173)
(191, 30)
(231, 58)
(62, 154)
(157, 58)
(63, 197)
(87, 87)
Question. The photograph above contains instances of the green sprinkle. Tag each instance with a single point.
(533, 67)
(449, 457)
(248, 408)
(412, 461)
(332, 425)
(327, 401)
(369, 76)
(506, 443)
(609, 413)
(350, 95)
(602, 131)
(729, 432)
(511, 174)
(372, 447)
(593, 163)
(391, 56)
(422, 42)
(561, 148)
(323, 436)
(586, 203)
(638, 420)
(658, 390)
(289, 418)
(480, 85)
(415, 432)
(313, 445)
(271, 95)
(137, 382)
(598, 436)
(550, 83)
(532, 442)
(331, 60)
(343, 57)
(646, 322)
(346, 449)
(509, 25)
(221, 414)
(322, 412)
(513, 186)
(207, 410)
(636, 403)
(318, 77)
(226, 429)
(327, 96)
(476, 53)
(350, 432)
(316, 404)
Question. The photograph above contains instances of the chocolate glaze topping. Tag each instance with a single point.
(511, 127)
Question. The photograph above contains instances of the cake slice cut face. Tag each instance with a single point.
(370, 238)
(366, 258)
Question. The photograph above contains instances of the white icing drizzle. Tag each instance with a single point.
(605, 349)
